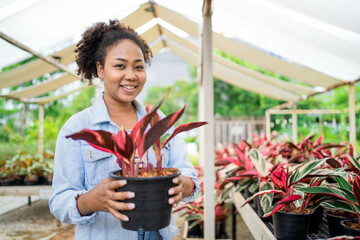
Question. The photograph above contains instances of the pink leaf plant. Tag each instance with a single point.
(126, 146)
(285, 183)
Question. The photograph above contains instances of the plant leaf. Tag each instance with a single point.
(356, 189)
(183, 128)
(282, 203)
(138, 130)
(338, 193)
(157, 131)
(338, 205)
(305, 170)
(99, 139)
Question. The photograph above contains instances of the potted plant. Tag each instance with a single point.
(150, 184)
(291, 214)
(343, 196)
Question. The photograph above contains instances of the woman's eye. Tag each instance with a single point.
(139, 67)
(121, 66)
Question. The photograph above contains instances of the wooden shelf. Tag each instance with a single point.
(256, 226)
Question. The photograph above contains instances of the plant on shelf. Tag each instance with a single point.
(285, 181)
(148, 132)
(342, 196)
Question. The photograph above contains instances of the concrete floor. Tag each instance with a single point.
(36, 222)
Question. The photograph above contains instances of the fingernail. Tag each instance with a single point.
(130, 195)
(125, 219)
(175, 205)
(123, 182)
(175, 180)
(171, 191)
(131, 205)
(171, 201)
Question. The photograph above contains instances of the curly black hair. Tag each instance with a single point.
(97, 39)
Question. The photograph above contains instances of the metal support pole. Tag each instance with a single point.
(352, 123)
(41, 129)
(206, 113)
(294, 124)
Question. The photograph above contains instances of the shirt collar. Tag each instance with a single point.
(100, 113)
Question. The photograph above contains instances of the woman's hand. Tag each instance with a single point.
(104, 198)
(183, 189)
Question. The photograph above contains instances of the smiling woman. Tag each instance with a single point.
(82, 192)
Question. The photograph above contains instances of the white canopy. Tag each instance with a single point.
(316, 44)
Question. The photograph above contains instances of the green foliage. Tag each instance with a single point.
(183, 93)
(233, 101)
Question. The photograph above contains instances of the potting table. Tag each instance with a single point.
(265, 231)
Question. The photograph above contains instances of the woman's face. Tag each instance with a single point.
(123, 72)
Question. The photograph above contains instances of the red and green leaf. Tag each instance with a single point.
(282, 203)
(157, 131)
(99, 139)
(184, 128)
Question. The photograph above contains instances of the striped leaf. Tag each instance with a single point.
(356, 189)
(304, 170)
(261, 165)
(266, 199)
(259, 194)
(337, 193)
(343, 183)
(338, 205)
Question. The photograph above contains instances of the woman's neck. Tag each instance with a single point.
(122, 114)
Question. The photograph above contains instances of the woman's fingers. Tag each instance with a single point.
(176, 192)
(117, 184)
(118, 215)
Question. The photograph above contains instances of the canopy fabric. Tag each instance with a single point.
(315, 49)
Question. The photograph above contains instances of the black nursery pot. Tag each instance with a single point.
(291, 225)
(316, 220)
(335, 228)
(349, 231)
(152, 210)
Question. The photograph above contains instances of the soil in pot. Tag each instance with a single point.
(334, 218)
(351, 228)
(152, 210)
(289, 225)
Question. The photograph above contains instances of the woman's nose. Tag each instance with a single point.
(130, 75)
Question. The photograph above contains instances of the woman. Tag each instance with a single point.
(82, 192)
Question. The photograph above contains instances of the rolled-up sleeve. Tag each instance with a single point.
(68, 181)
(178, 159)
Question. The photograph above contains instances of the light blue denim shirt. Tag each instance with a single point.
(78, 168)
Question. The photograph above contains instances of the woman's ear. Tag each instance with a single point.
(100, 70)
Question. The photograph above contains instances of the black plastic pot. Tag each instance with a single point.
(198, 231)
(291, 225)
(316, 220)
(152, 210)
(335, 228)
(349, 231)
